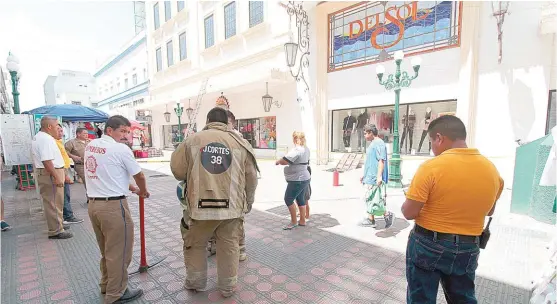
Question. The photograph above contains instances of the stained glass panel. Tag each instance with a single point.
(372, 31)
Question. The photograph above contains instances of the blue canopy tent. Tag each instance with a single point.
(71, 113)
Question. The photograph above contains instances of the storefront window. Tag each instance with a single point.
(141, 138)
(348, 135)
(259, 132)
(170, 135)
(551, 115)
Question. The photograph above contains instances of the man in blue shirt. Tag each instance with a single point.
(375, 177)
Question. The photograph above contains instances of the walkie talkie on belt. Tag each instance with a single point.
(484, 238)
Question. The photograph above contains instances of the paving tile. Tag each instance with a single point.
(305, 265)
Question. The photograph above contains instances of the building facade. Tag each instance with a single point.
(6, 98)
(468, 69)
(123, 81)
(238, 46)
(70, 87)
(49, 93)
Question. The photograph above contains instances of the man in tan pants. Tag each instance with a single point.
(76, 151)
(109, 164)
(49, 166)
(219, 169)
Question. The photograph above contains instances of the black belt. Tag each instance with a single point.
(456, 238)
(81, 164)
(112, 198)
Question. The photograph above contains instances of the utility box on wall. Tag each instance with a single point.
(528, 197)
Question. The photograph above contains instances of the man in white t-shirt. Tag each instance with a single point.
(49, 166)
(108, 166)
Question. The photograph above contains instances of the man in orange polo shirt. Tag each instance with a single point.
(449, 198)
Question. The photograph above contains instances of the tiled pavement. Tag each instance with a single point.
(308, 265)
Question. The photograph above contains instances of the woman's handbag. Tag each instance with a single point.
(375, 200)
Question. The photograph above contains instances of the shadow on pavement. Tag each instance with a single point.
(399, 224)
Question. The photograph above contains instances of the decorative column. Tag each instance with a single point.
(321, 83)
(469, 57)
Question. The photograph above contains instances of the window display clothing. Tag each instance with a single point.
(363, 119)
(382, 120)
(427, 120)
(347, 127)
(408, 122)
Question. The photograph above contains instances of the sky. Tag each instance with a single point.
(48, 35)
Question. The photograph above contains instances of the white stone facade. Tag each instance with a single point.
(500, 103)
(123, 79)
(239, 66)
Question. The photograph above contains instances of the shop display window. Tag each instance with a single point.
(551, 115)
(170, 133)
(259, 132)
(347, 126)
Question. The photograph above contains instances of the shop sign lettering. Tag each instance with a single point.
(395, 15)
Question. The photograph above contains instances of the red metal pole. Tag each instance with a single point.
(335, 178)
(143, 263)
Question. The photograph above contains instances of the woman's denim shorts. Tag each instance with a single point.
(296, 191)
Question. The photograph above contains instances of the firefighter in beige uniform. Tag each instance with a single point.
(220, 173)
(108, 166)
(49, 166)
(76, 151)
(212, 246)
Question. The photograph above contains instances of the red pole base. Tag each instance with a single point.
(335, 178)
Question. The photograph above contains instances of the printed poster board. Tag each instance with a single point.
(16, 136)
(37, 122)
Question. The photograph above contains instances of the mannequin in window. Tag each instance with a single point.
(362, 120)
(408, 122)
(348, 127)
(427, 120)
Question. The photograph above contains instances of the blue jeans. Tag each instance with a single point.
(430, 261)
(67, 211)
(296, 191)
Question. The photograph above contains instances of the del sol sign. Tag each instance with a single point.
(370, 31)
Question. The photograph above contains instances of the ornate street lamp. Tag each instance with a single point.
(268, 100)
(167, 115)
(291, 49)
(396, 82)
(189, 111)
(179, 110)
(13, 66)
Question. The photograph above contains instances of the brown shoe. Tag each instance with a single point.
(61, 236)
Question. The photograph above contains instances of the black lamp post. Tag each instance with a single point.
(167, 115)
(302, 43)
(189, 111)
(268, 100)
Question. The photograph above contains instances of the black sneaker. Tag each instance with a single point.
(129, 295)
(389, 219)
(73, 220)
(5, 226)
(368, 223)
(61, 236)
